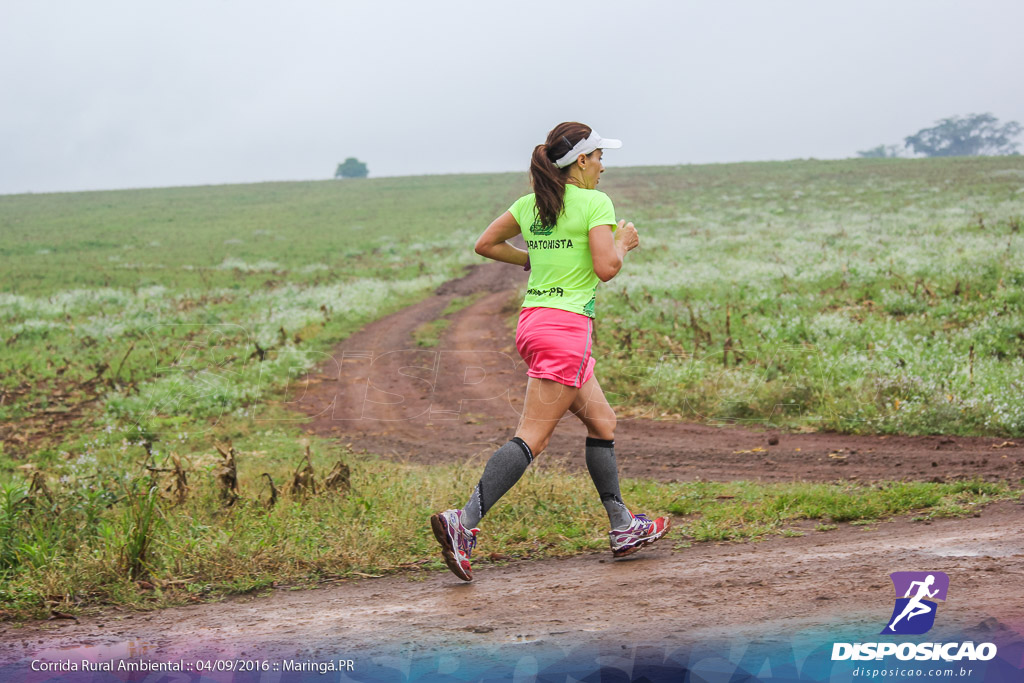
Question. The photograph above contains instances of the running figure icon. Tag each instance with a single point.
(916, 596)
(915, 607)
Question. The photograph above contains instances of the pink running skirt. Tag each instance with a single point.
(555, 344)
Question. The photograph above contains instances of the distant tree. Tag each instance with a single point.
(880, 152)
(351, 168)
(965, 136)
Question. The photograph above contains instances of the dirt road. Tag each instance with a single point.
(818, 586)
(462, 398)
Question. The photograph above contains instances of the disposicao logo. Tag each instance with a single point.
(914, 612)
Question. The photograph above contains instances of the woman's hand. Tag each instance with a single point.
(626, 236)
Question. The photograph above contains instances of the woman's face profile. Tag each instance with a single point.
(593, 169)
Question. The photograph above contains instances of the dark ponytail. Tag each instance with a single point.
(549, 180)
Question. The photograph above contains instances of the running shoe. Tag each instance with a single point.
(457, 542)
(642, 531)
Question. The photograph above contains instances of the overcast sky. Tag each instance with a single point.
(134, 93)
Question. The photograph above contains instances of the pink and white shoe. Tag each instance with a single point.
(457, 542)
(642, 531)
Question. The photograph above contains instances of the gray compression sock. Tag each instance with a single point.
(605, 473)
(503, 470)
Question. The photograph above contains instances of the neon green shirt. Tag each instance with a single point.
(561, 269)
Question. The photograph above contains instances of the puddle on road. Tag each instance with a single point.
(973, 551)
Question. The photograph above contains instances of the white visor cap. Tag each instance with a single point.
(586, 146)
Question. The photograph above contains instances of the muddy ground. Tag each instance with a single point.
(662, 596)
(459, 400)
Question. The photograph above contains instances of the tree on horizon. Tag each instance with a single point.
(956, 136)
(966, 136)
(351, 168)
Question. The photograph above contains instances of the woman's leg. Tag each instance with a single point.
(591, 407)
(629, 532)
(546, 402)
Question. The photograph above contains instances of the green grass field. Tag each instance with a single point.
(865, 296)
(860, 295)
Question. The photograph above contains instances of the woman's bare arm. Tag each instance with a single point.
(494, 242)
(607, 250)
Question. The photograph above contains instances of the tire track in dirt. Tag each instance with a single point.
(461, 399)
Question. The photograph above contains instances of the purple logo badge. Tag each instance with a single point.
(916, 593)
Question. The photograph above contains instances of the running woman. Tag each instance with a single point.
(573, 242)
